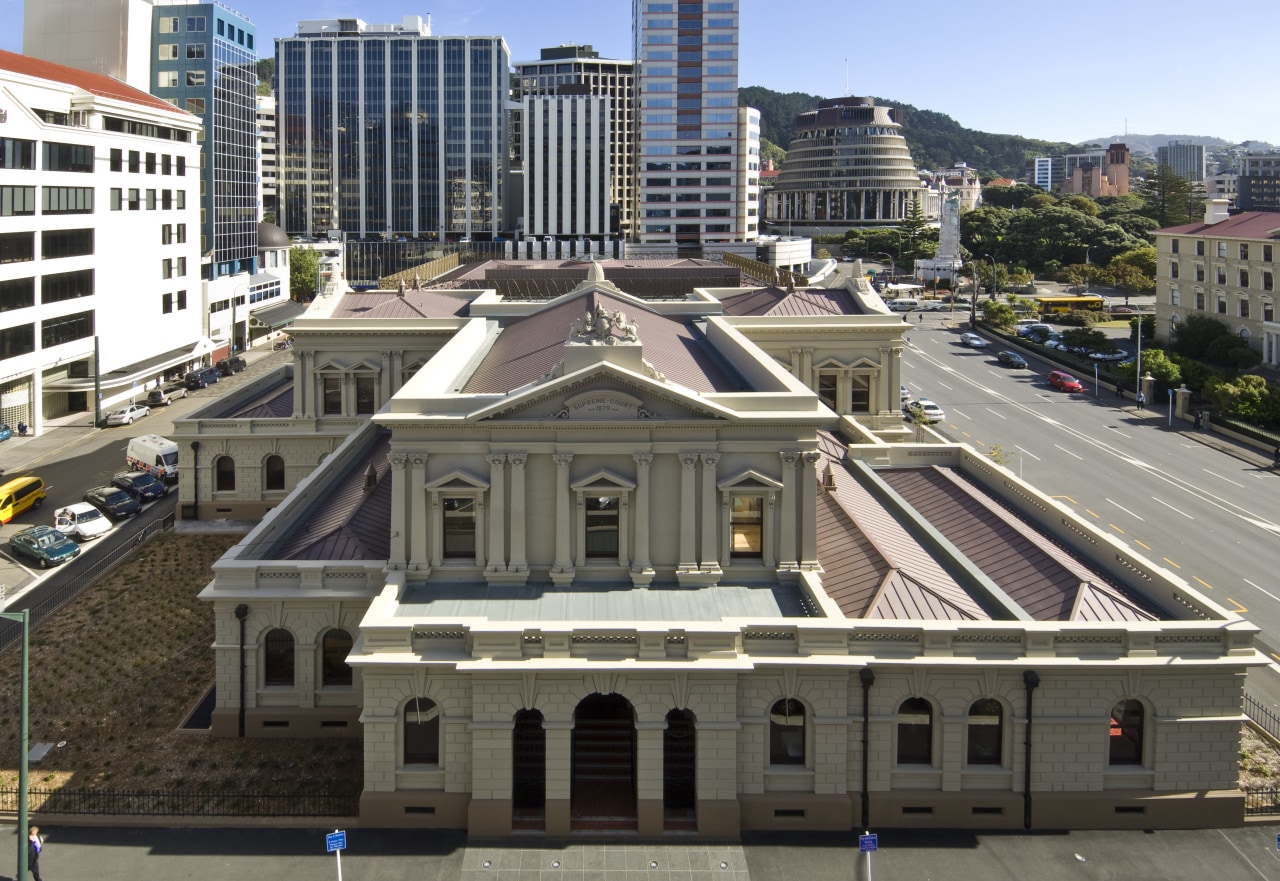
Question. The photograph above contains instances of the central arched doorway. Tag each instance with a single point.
(603, 796)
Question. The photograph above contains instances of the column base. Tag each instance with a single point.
(699, 577)
(642, 577)
(562, 577)
(506, 576)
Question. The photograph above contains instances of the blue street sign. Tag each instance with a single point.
(335, 841)
(870, 843)
(1278, 841)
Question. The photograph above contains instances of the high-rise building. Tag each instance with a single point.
(1258, 186)
(566, 165)
(566, 70)
(699, 169)
(388, 131)
(111, 37)
(268, 160)
(818, 188)
(1185, 158)
(1046, 172)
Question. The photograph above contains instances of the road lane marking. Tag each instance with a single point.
(1094, 514)
(1172, 508)
(1029, 453)
(1174, 565)
(1263, 589)
(945, 386)
(1239, 608)
(1068, 498)
(1202, 581)
(1142, 543)
(993, 412)
(966, 434)
(1274, 655)
(1118, 431)
(1116, 528)
(1220, 477)
(1126, 510)
(1069, 453)
(961, 412)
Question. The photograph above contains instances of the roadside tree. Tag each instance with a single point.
(304, 273)
(997, 314)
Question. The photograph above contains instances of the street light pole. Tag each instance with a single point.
(24, 745)
(992, 295)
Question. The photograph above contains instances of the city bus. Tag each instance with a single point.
(1049, 305)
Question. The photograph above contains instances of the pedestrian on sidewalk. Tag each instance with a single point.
(1199, 420)
(1119, 389)
(35, 845)
(1275, 459)
(1142, 399)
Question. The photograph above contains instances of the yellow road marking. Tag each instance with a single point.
(965, 433)
(1274, 655)
(1202, 581)
(1116, 528)
(1143, 544)
(980, 443)
(1068, 498)
(1174, 565)
(1093, 514)
(1238, 608)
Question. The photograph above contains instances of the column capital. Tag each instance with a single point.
(418, 460)
(562, 459)
(710, 459)
(496, 459)
(397, 460)
(689, 461)
(789, 457)
(810, 457)
(642, 460)
(517, 460)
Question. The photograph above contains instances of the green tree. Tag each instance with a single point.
(1171, 199)
(914, 228)
(1082, 203)
(1087, 340)
(770, 150)
(1154, 361)
(1141, 259)
(1148, 325)
(1009, 197)
(266, 73)
(983, 230)
(1040, 200)
(1248, 398)
(1130, 279)
(304, 273)
(1193, 337)
(998, 314)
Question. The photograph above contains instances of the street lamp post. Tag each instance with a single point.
(1086, 268)
(994, 284)
(24, 745)
(892, 266)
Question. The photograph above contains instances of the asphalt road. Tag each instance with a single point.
(1208, 517)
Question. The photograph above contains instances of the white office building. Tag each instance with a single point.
(267, 155)
(99, 241)
(566, 171)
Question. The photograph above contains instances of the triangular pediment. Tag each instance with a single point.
(603, 392)
(750, 480)
(604, 479)
(834, 364)
(459, 480)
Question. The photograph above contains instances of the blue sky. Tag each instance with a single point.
(1033, 68)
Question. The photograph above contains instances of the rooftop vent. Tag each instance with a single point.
(370, 479)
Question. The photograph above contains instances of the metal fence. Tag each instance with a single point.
(86, 802)
(1262, 802)
(1262, 716)
(85, 575)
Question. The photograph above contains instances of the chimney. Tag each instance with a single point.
(1215, 211)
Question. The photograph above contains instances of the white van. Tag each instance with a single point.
(156, 455)
(906, 304)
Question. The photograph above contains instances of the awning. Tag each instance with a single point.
(140, 372)
(277, 316)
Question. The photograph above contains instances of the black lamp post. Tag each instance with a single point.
(867, 678)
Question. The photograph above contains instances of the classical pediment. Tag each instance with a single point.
(603, 393)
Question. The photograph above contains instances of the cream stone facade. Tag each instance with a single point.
(599, 563)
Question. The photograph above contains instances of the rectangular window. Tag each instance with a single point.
(1175, 296)
(1222, 305)
(17, 201)
(166, 234)
(1199, 273)
(182, 234)
(167, 51)
(167, 79)
(166, 303)
(180, 199)
(55, 243)
(746, 526)
(166, 199)
(166, 164)
(166, 267)
(1243, 277)
(15, 341)
(1220, 273)
(117, 159)
(602, 526)
(1244, 251)
(17, 293)
(1266, 253)
(195, 50)
(332, 395)
(1173, 246)
(151, 200)
(196, 23)
(195, 105)
(68, 157)
(68, 200)
(182, 267)
(1244, 308)
(67, 329)
(151, 163)
(182, 165)
(182, 300)
(59, 286)
(1173, 268)
(17, 247)
(366, 394)
(135, 162)
(169, 25)
(1222, 249)
(460, 528)
(135, 199)
(1267, 281)
(1199, 300)
(1200, 249)
(195, 78)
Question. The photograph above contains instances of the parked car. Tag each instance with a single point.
(5, 431)
(905, 393)
(198, 379)
(81, 521)
(1034, 329)
(228, 366)
(1060, 379)
(1114, 355)
(1122, 310)
(142, 486)
(1011, 359)
(924, 410)
(113, 501)
(43, 545)
(166, 396)
(973, 341)
(128, 414)
(934, 306)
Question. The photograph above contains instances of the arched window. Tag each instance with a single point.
(915, 732)
(986, 732)
(421, 732)
(274, 473)
(335, 647)
(278, 658)
(224, 471)
(786, 733)
(1127, 723)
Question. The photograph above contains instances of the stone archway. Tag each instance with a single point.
(603, 794)
(679, 772)
(528, 772)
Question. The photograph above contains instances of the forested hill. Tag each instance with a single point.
(936, 140)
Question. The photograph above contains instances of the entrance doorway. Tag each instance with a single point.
(603, 795)
(528, 772)
(679, 772)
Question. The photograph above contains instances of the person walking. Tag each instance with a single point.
(1275, 459)
(35, 844)
(1119, 389)
(1199, 420)
(1142, 399)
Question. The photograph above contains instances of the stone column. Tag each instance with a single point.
(481, 515)
(787, 559)
(518, 563)
(400, 521)
(806, 369)
(497, 509)
(562, 571)
(641, 566)
(305, 385)
(795, 364)
(688, 512)
(559, 765)
(396, 369)
(418, 525)
(386, 383)
(649, 776)
(710, 556)
(809, 510)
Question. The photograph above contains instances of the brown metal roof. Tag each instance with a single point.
(349, 523)
(1247, 225)
(528, 348)
(1039, 576)
(807, 303)
(390, 304)
(274, 403)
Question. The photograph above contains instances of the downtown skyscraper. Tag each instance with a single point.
(698, 151)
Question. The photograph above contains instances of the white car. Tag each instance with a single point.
(925, 410)
(905, 393)
(973, 341)
(81, 521)
(127, 414)
(1115, 355)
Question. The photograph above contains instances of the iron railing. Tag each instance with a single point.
(1262, 716)
(11, 631)
(176, 803)
(1261, 802)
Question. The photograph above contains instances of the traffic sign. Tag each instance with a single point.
(868, 843)
(335, 841)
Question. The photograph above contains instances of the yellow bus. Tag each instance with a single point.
(1049, 305)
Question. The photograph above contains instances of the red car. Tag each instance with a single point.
(1060, 379)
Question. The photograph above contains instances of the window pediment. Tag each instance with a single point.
(603, 480)
(749, 480)
(458, 480)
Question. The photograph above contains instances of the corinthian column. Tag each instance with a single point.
(400, 523)
(497, 510)
(564, 520)
(809, 510)
(641, 565)
(787, 518)
(518, 526)
(710, 556)
(688, 512)
(419, 528)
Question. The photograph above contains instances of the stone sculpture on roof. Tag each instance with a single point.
(605, 327)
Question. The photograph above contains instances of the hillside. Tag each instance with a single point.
(936, 140)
